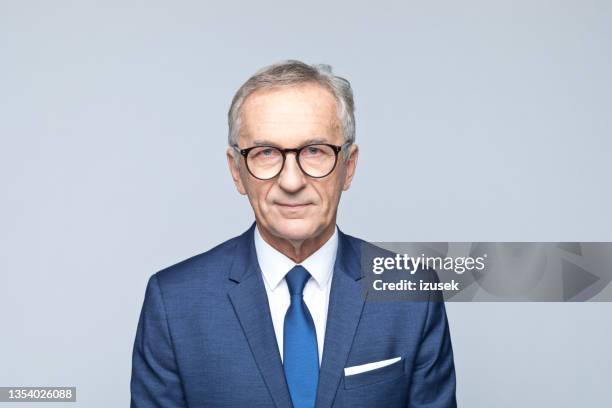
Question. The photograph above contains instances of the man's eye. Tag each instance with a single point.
(266, 153)
(313, 151)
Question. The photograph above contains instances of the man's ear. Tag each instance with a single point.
(234, 168)
(351, 164)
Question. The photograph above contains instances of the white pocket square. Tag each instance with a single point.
(369, 366)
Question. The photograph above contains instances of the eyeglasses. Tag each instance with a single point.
(267, 162)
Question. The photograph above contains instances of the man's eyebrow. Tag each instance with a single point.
(264, 142)
(316, 140)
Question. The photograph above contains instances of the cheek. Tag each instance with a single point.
(328, 194)
(259, 196)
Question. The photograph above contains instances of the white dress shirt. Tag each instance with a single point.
(275, 265)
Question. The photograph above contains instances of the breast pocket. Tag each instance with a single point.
(377, 375)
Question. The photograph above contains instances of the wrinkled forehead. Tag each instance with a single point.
(290, 117)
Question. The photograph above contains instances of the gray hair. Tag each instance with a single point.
(291, 73)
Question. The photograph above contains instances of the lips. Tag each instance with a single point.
(293, 205)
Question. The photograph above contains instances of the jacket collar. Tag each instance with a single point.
(245, 261)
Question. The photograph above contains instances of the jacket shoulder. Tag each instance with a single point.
(211, 264)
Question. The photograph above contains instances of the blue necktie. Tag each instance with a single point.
(300, 352)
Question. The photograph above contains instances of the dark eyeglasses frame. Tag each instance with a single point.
(297, 150)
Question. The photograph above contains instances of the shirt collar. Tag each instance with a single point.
(275, 265)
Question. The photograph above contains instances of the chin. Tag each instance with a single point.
(295, 229)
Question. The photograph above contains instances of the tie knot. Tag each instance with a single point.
(296, 279)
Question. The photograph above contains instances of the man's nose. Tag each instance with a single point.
(291, 178)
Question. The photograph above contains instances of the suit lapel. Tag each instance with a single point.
(250, 304)
(344, 311)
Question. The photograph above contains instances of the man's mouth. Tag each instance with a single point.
(293, 205)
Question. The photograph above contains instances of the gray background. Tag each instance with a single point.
(477, 121)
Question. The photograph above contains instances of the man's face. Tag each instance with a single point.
(293, 206)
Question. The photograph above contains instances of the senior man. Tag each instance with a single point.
(276, 317)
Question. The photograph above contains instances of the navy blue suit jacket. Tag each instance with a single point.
(205, 338)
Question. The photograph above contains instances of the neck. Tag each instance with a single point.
(298, 250)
